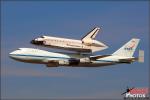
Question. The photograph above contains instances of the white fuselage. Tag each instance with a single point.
(70, 44)
(52, 59)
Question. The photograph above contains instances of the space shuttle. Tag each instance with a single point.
(87, 44)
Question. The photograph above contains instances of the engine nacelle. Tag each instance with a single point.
(52, 65)
(85, 60)
(63, 62)
(69, 62)
(74, 61)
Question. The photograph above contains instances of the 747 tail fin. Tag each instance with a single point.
(128, 49)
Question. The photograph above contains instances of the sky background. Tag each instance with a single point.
(120, 21)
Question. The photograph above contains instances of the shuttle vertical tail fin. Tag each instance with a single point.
(91, 35)
(128, 49)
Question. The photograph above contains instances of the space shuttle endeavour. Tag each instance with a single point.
(87, 44)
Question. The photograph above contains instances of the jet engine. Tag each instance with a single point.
(69, 62)
(52, 65)
(85, 60)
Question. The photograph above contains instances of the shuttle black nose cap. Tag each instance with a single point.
(32, 41)
(36, 42)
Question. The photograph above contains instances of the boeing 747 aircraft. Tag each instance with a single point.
(51, 59)
(86, 45)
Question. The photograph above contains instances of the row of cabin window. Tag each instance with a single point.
(64, 41)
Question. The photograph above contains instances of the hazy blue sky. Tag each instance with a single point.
(120, 21)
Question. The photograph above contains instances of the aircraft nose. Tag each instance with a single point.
(36, 42)
(32, 41)
(14, 54)
(11, 54)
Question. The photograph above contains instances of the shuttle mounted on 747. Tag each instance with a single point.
(51, 59)
(87, 44)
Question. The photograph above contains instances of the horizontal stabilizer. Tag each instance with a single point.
(129, 60)
(141, 56)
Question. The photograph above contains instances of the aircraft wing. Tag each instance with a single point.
(59, 62)
(99, 56)
(52, 63)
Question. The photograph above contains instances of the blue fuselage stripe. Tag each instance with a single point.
(38, 56)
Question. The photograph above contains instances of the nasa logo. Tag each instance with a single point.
(130, 47)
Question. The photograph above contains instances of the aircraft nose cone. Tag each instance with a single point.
(36, 42)
(11, 54)
(32, 41)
